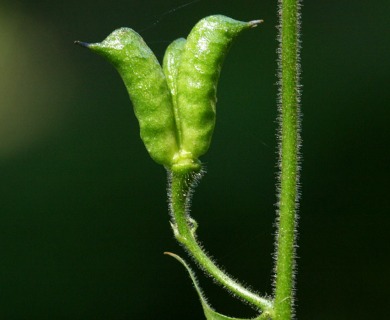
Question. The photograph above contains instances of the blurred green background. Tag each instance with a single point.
(83, 219)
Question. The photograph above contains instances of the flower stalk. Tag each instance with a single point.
(184, 227)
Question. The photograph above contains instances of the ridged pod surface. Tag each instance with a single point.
(199, 70)
(148, 90)
(171, 63)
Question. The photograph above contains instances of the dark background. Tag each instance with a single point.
(83, 220)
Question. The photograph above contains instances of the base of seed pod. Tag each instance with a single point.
(184, 162)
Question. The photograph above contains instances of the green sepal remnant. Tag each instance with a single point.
(147, 88)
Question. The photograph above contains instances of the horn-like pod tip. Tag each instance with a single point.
(255, 23)
(83, 44)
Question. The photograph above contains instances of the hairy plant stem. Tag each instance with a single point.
(289, 16)
(181, 183)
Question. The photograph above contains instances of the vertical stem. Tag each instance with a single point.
(289, 156)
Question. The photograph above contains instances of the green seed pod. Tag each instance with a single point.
(148, 90)
(199, 70)
(183, 160)
(171, 62)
